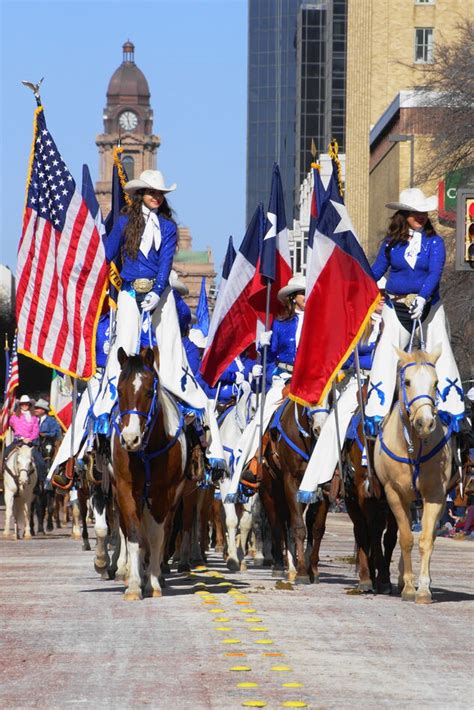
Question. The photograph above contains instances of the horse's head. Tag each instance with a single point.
(137, 396)
(24, 466)
(417, 386)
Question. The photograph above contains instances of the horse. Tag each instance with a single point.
(19, 481)
(413, 451)
(43, 501)
(370, 514)
(287, 448)
(149, 457)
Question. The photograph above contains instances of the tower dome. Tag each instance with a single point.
(128, 82)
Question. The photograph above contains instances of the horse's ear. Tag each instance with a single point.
(149, 358)
(122, 356)
(435, 354)
(402, 355)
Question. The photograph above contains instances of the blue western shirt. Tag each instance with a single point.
(157, 265)
(424, 279)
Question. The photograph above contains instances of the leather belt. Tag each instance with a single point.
(143, 285)
(285, 366)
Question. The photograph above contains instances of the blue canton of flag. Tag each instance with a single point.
(202, 310)
(229, 259)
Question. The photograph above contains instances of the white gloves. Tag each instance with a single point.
(150, 301)
(257, 371)
(265, 338)
(239, 378)
(416, 308)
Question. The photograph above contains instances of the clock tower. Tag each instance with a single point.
(128, 121)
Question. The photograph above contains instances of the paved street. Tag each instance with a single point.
(69, 640)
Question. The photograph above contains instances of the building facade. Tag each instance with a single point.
(128, 122)
(296, 89)
(389, 45)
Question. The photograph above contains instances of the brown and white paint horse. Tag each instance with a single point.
(149, 459)
(414, 423)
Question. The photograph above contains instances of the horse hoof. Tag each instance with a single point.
(40, 531)
(184, 567)
(156, 593)
(408, 596)
(76, 536)
(365, 587)
(232, 565)
(49, 527)
(27, 536)
(301, 579)
(99, 566)
(291, 577)
(423, 597)
(258, 562)
(219, 549)
(278, 572)
(86, 546)
(384, 588)
(243, 566)
(132, 595)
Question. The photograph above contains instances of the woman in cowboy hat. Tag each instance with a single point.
(24, 424)
(414, 256)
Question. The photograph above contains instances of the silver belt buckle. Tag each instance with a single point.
(143, 285)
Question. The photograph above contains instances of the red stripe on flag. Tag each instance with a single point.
(22, 282)
(337, 309)
(50, 304)
(43, 249)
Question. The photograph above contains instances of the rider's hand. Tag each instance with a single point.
(416, 308)
(239, 378)
(265, 338)
(257, 370)
(150, 301)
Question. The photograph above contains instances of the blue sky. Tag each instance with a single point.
(194, 55)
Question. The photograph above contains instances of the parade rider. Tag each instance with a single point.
(282, 344)
(48, 426)
(146, 238)
(25, 428)
(414, 255)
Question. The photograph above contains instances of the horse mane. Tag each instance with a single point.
(133, 365)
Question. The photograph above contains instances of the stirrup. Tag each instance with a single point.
(60, 481)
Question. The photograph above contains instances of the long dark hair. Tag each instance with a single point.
(136, 222)
(398, 229)
(289, 308)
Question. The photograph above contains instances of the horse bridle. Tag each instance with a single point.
(149, 415)
(408, 403)
(28, 471)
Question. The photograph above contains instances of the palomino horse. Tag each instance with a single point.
(293, 431)
(414, 451)
(19, 475)
(149, 458)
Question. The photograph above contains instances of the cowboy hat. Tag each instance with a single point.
(42, 404)
(24, 399)
(178, 285)
(295, 284)
(149, 179)
(414, 200)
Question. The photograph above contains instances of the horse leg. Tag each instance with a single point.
(217, 525)
(257, 525)
(274, 509)
(376, 518)
(318, 530)
(76, 521)
(50, 510)
(361, 538)
(401, 509)
(390, 537)
(83, 508)
(26, 510)
(245, 528)
(231, 521)
(188, 512)
(41, 510)
(297, 533)
(9, 499)
(431, 514)
(101, 558)
(156, 537)
(34, 503)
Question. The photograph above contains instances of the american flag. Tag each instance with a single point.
(11, 383)
(61, 269)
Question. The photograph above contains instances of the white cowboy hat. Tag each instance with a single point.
(295, 284)
(414, 200)
(24, 399)
(197, 337)
(42, 404)
(149, 179)
(178, 285)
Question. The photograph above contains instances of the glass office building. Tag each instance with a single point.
(292, 71)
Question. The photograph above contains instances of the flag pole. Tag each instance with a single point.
(70, 462)
(264, 369)
(362, 412)
(338, 432)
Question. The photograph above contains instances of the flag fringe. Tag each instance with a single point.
(351, 347)
(37, 112)
(307, 497)
(333, 151)
(54, 413)
(121, 173)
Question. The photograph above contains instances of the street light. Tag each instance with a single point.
(401, 138)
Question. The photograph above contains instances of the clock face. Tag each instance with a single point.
(128, 121)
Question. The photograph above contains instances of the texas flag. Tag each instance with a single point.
(318, 198)
(274, 263)
(341, 295)
(234, 321)
(226, 268)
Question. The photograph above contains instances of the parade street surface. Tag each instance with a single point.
(220, 640)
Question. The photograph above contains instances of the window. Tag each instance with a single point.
(425, 2)
(129, 166)
(423, 45)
